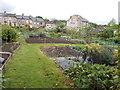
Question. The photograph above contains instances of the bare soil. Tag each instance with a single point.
(10, 47)
(57, 51)
(37, 39)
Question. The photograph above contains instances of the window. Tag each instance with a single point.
(0, 18)
(22, 21)
(14, 19)
(5, 18)
(9, 18)
(18, 21)
(30, 21)
(27, 21)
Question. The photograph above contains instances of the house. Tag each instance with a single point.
(50, 25)
(20, 20)
(26, 20)
(8, 19)
(77, 22)
(40, 22)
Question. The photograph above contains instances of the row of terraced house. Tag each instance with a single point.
(20, 20)
(75, 21)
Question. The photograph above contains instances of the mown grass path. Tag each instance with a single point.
(31, 68)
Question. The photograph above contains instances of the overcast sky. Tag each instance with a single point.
(96, 11)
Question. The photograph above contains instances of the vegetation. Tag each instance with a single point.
(40, 34)
(107, 34)
(9, 34)
(30, 68)
(60, 28)
(39, 17)
(97, 53)
(94, 76)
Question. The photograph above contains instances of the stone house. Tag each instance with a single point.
(8, 19)
(50, 25)
(77, 22)
(20, 20)
(40, 22)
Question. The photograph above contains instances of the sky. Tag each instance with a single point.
(96, 11)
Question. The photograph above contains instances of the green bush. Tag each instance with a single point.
(117, 39)
(82, 41)
(94, 76)
(98, 54)
(9, 34)
(40, 34)
(78, 47)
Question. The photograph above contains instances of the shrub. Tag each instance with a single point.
(9, 34)
(98, 54)
(82, 41)
(40, 34)
(94, 76)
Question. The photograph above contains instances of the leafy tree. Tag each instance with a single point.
(60, 28)
(9, 34)
(117, 36)
(97, 53)
(107, 34)
(87, 33)
(46, 20)
(112, 22)
(39, 17)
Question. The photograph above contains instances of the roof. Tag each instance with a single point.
(26, 17)
(10, 15)
(81, 18)
(19, 17)
(7, 14)
(49, 22)
(33, 18)
(1, 14)
(39, 19)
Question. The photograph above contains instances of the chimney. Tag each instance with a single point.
(22, 14)
(4, 11)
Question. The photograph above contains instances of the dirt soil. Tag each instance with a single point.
(10, 47)
(37, 39)
(57, 51)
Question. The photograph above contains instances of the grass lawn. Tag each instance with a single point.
(30, 68)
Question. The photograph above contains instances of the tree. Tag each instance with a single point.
(112, 22)
(98, 54)
(87, 33)
(117, 36)
(60, 28)
(107, 34)
(9, 34)
(39, 17)
(46, 19)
